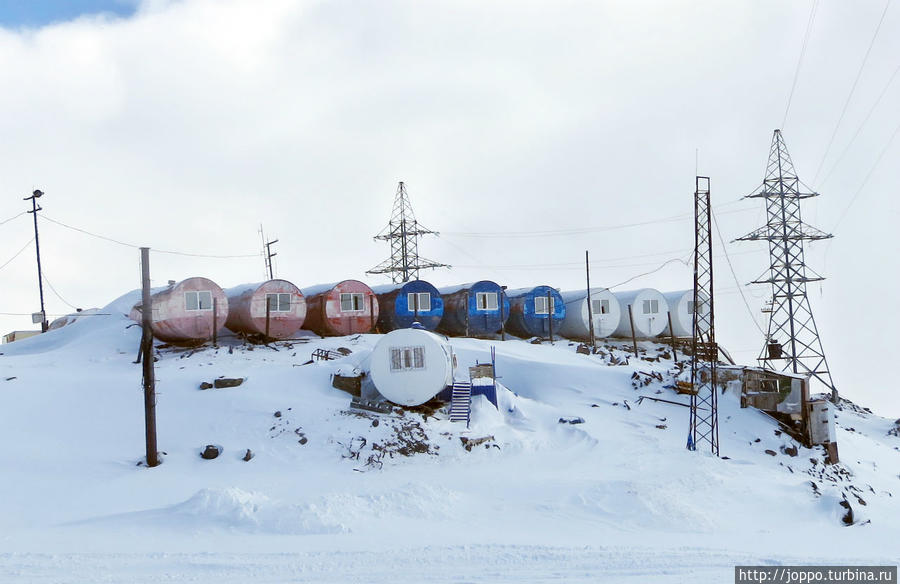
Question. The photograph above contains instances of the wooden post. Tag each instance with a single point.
(550, 315)
(149, 380)
(467, 313)
(590, 301)
(633, 337)
(268, 316)
(371, 313)
(501, 299)
(672, 336)
(215, 335)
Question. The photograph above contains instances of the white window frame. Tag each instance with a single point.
(199, 296)
(651, 306)
(701, 305)
(482, 303)
(350, 296)
(541, 307)
(279, 301)
(418, 301)
(407, 359)
(600, 306)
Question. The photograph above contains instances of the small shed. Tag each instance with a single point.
(410, 366)
(605, 311)
(14, 336)
(681, 307)
(348, 307)
(191, 310)
(535, 312)
(479, 309)
(400, 305)
(648, 310)
(248, 304)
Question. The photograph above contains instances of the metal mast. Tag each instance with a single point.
(403, 233)
(705, 353)
(792, 334)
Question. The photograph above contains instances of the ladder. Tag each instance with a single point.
(461, 402)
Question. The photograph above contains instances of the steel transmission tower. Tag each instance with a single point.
(403, 233)
(705, 352)
(792, 336)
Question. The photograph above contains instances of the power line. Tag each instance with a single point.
(44, 274)
(18, 253)
(859, 129)
(13, 217)
(734, 275)
(181, 253)
(664, 264)
(579, 231)
(852, 89)
(809, 23)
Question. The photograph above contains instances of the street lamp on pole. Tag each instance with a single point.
(34, 209)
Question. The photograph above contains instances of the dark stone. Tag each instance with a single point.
(571, 420)
(228, 382)
(206, 385)
(303, 440)
(583, 349)
(277, 414)
(789, 450)
(247, 455)
(210, 452)
(848, 516)
(757, 440)
(771, 452)
(375, 423)
(661, 426)
(343, 351)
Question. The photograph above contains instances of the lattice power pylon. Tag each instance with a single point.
(403, 233)
(792, 335)
(705, 352)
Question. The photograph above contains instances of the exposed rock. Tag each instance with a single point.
(206, 385)
(771, 452)
(211, 451)
(228, 382)
(277, 414)
(247, 455)
(571, 420)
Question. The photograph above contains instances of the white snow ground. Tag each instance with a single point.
(615, 499)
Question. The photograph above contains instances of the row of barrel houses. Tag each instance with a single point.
(196, 308)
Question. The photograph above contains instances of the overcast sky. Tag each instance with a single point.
(183, 126)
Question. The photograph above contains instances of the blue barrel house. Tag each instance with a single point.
(533, 311)
(474, 310)
(400, 305)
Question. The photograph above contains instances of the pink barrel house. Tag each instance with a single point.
(187, 311)
(248, 305)
(346, 308)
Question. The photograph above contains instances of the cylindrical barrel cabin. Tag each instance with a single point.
(681, 305)
(475, 310)
(249, 303)
(187, 311)
(400, 305)
(68, 319)
(648, 310)
(410, 366)
(605, 311)
(345, 308)
(533, 311)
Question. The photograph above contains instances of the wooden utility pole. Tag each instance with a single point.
(633, 336)
(590, 301)
(149, 378)
(550, 315)
(672, 336)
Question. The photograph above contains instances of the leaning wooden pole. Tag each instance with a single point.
(149, 379)
(590, 307)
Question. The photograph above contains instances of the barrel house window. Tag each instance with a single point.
(352, 301)
(418, 301)
(407, 358)
(690, 307)
(486, 301)
(279, 302)
(540, 304)
(198, 300)
(600, 306)
(651, 306)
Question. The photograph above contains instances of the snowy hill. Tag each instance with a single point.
(337, 495)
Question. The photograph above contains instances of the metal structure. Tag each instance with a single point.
(268, 254)
(403, 232)
(792, 336)
(704, 399)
